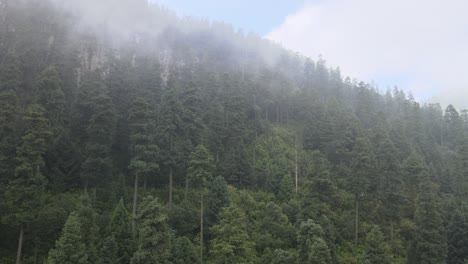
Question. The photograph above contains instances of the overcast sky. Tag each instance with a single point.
(418, 45)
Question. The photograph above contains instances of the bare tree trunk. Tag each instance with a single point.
(135, 199)
(20, 245)
(356, 229)
(144, 182)
(201, 228)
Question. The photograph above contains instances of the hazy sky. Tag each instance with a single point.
(419, 45)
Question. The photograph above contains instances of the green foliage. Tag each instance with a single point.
(231, 242)
(121, 229)
(25, 191)
(143, 146)
(183, 251)
(430, 238)
(98, 117)
(87, 108)
(109, 251)
(154, 245)
(377, 249)
(200, 167)
(216, 199)
(457, 234)
(70, 248)
(312, 246)
(87, 218)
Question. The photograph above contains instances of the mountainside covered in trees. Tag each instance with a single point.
(129, 135)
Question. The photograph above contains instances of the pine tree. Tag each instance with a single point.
(99, 116)
(51, 96)
(87, 218)
(217, 198)
(143, 146)
(120, 228)
(10, 76)
(200, 172)
(363, 168)
(312, 246)
(286, 188)
(154, 244)
(26, 189)
(377, 250)
(70, 247)
(183, 251)
(430, 239)
(457, 234)
(231, 243)
(109, 251)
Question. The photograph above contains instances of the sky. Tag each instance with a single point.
(419, 45)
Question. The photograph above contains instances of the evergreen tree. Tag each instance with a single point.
(286, 188)
(10, 75)
(363, 168)
(183, 251)
(109, 251)
(26, 189)
(70, 247)
(377, 250)
(120, 228)
(99, 116)
(200, 172)
(430, 239)
(143, 145)
(217, 198)
(88, 218)
(153, 237)
(312, 246)
(457, 234)
(231, 242)
(51, 96)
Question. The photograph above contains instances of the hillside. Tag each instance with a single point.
(132, 135)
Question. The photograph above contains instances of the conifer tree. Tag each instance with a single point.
(51, 96)
(363, 166)
(87, 218)
(120, 228)
(216, 199)
(231, 243)
(154, 244)
(200, 172)
(98, 115)
(143, 148)
(183, 251)
(70, 247)
(430, 238)
(10, 76)
(457, 234)
(377, 250)
(109, 251)
(26, 189)
(312, 246)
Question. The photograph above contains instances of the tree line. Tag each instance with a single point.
(201, 144)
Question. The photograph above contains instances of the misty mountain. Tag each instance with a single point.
(129, 134)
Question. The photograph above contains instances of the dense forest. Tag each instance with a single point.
(144, 137)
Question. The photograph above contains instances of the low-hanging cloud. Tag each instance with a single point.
(419, 45)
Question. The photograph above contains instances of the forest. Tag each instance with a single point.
(146, 137)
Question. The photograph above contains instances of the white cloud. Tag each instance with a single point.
(419, 45)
